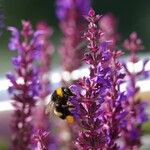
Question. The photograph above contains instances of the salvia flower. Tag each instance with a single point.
(41, 120)
(98, 101)
(40, 139)
(87, 101)
(114, 113)
(70, 14)
(137, 114)
(25, 83)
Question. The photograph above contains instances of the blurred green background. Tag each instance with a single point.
(133, 15)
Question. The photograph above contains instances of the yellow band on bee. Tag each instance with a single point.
(59, 92)
(70, 119)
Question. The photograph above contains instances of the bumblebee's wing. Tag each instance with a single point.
(49, 106)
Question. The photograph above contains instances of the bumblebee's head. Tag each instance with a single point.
(64, 92)
(67, 91)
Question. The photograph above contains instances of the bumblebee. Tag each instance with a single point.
(59, 98)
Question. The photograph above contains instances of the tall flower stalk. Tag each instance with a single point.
(88, 92)
(137, 114)
(41, 119)
(113, 106)
(25, 83)
(114, 111)
(98, 101)
(70, 14)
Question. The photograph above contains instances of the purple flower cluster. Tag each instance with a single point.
(98, 101)
(70, 13)
(25, 83)
(135, 107)
(40, 138)
(41, 120)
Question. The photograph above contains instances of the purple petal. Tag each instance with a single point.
(16, 61)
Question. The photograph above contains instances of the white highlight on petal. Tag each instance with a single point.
(20, 81)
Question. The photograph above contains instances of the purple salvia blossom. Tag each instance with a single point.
(89, 92)
(25, 83)
(98, 101)
(72, 24)
(113, 111)
(137, 114)
(40, 139)
(41, 119)
(42, 127)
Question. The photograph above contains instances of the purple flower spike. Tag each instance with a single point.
(98, 101)
(41, 120)
(25, 84)
(137, 115)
